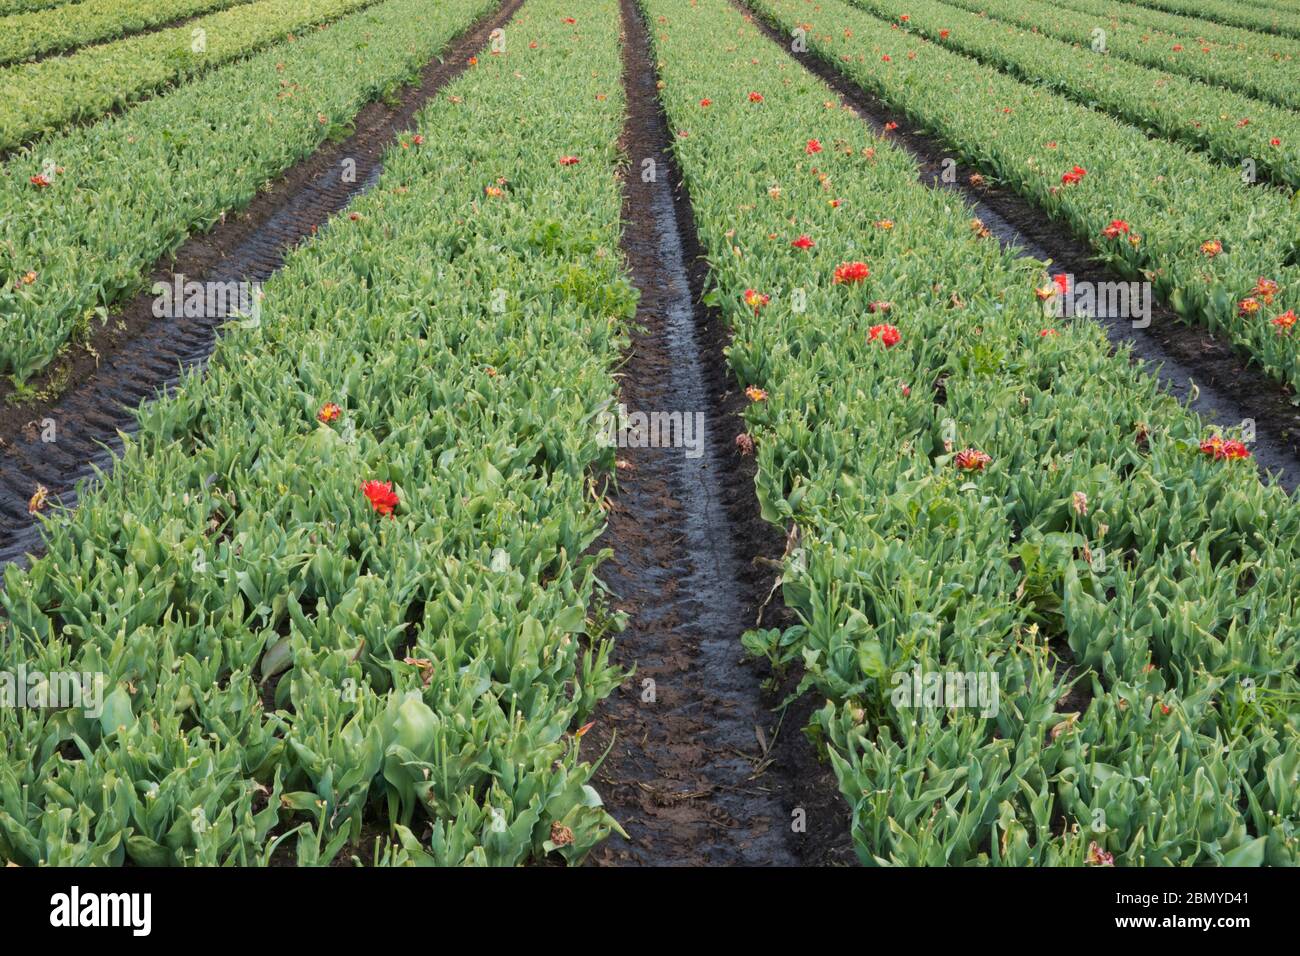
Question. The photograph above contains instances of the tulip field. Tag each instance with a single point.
(49, 94)
(343, 594)
(40, 31)
(910, 552)
(168, 147)
(1254, 63)
(1031, 138)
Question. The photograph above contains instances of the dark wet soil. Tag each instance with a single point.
(135, 355)
(705, 768)
(1191, 362)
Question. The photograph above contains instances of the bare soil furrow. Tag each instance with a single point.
(704, 768)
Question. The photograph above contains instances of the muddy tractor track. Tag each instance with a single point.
(704, 769)
(1194, 365)
(135, 355)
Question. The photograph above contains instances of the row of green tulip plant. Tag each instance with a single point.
(345, 577)
(1256, 64)
(974, 489)
(1219, 252)
(24, 6)
(1165, 20)
(1232, 128)
(84, 216)
(1267, 19)
(48, 95)
(41, 32)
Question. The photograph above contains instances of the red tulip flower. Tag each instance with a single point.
(1117, 228)
(849, 273)
(887, 335)
(1221, 449)
(971, 459)
(381, 496)
(756, 300)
